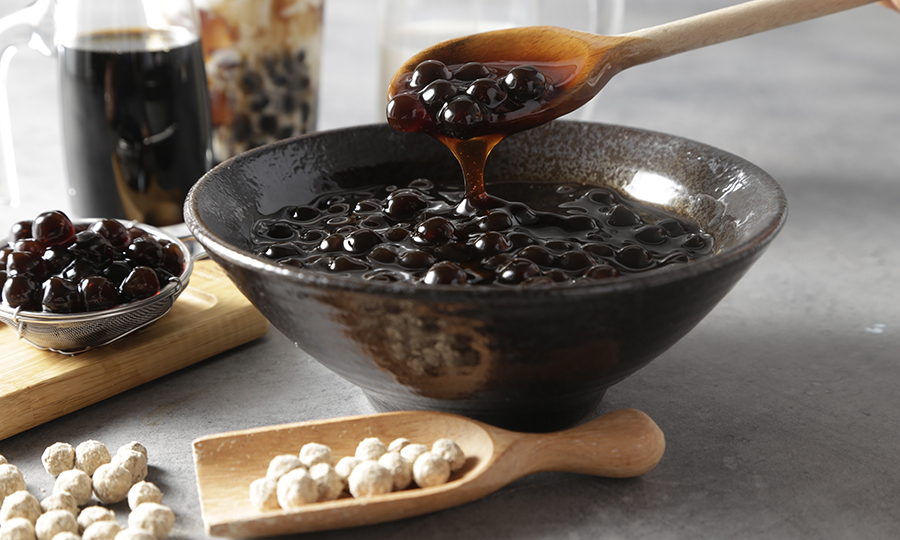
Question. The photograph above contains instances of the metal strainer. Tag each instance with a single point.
(74, 333)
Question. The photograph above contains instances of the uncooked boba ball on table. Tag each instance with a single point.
(296, 489)
(156, 518)
(315, 453)
(328, 483)
(54, 522)
(282, 464)
(143, 492)
(430, 470)
(60, 501)
(101, 530)
(369, 479)
(17, 529)
(449, 450)
(76, 483)
(21, 504)
(111, 483)
(11, 480)
(370, 449)
(92, 514)
(264, 493)
(58, 457)
(401, 470)
(91, 454)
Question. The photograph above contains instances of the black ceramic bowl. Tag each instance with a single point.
(531, 358)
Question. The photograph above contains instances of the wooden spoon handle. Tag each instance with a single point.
(619, 444)
(726, 24)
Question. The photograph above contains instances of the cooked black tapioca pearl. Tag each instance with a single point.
(4, 253)
(56, 259)
(277, 231)
(406, 113)
(117, 271)
(487, 92)
(579, 223)
(672, 227)
(516, 271)
(26, 263)
(537, 254)
(332, 243)
(29, 245)
(445, 273)
(520, 239)
(361, 241)
(382, 254)
(367, 206)
(651, 234)
(525, 83)
(601, 197)
(491, 243)
(574, 260)
(455, 252)
(343, 263)
(80, 269)
(471, 71)
(416, 258)
(495, 221)
(114, 231)
(437, 93)
(403, 204)
(693, 241)
(462, 117)
(98, 293)
(59, 295)
(634, 257)
(141, 283)
(397, 234)
(601, 271)
(428, 71)
(559, 245)
(282, 250)
(20, 231)
(621, 216)
(145, 251)
(53, 229)
(433, 231)
(92, 247)
(21, 292)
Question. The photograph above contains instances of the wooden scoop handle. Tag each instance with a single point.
(726, 24)
(619, 444)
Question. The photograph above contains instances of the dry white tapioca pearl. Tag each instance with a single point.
(133, 446)
(58, 457)
(328, 484)
(91, 454)
(315, 453)
(76, 483)
(21, 504)
(397, 444)
(411, 452)
(60, 501)
(54, 522)
(143, 492)
(11, 480)
(401, 470)
(371, 448)
(3, 460)
(155, 518)
(17, 529)
(111, 483)
(281, 465)
(345, 466)
(133, 461)
(131, 533)
(264, 494)
(449, 450)
(101, 530)
(430, 470)
(92, 514)
(66, 535)
(369, 479)
(295, 489)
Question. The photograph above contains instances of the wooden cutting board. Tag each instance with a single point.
(210, 316)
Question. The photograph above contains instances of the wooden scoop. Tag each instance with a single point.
(619, 444)
(591, 59)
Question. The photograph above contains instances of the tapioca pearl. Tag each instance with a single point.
(621, 216)
(491, 243)
(396, 234)
(471, 71)
(407, 114)
(525, 83)
(428, 71)
(671, 227)
(601, 250)
(462, 118)
(516, 271)
(343, 263)
(241, 128)
(601, 197)
(559, 245)
(601, 271)
(368, 206)
(651, 234)
(403, 204)
(524, 215)
(332, 243)
(303, 213)
(361, 241)
(693, 241)
(445, 273)
(579, 223)
(282, 250)
(259, 102)
(433, 231)
(574, 261)
(382, 254)
(676, 258)
(250, 82)
(488, 92)
(268, 124)
(557, 276)
(537, 254)
(538, 281)
(520, 239)
(416, 258)
(492, 263)
(313, 236)
(436, 94)
(634, 257)
(372, 223)
(455, 252)
(495, 221)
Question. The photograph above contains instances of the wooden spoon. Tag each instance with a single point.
(592, 60)
(620, 444)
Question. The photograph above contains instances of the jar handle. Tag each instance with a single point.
(32, 26)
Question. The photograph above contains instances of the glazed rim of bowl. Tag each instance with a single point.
(216, 246)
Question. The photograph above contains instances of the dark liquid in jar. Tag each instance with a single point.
(136, 123)
(536, 234)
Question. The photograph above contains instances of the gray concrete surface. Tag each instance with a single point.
(781, 409)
